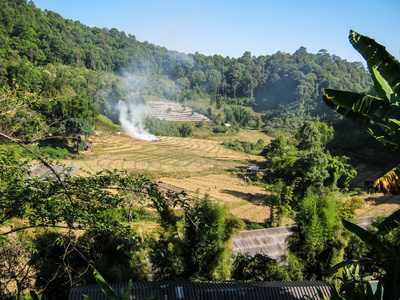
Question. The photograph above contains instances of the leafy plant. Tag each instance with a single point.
(389, 252)
(258, 268)
(379, 115)
(354, 287)
(244, 146)
(110, 292)
(194, 245)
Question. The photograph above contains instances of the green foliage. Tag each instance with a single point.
(25, 124)
(15, 272)
(319, 240)
(313, 135)
(239, 115)
(49, 265)
(340, 172)
(30, 197)
(186, 130)
(73, 107)
(244, 146)
(104, 124)
(305, 161)
(118, 255)
(253, 225)
(75, 127)
(279, 201)
(12, 168)
(349, 206)
(379, 115)
(54, 152)
(161, 127)
(196, 245)
(258, 268)
(32, 52)
(354, 286)
(384, 241)
(281, 155)
(78, 203)
(63, 63)
(207, 236)
(109, 291)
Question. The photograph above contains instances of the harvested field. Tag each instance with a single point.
(195, 165)
(200, 166)
(169, 155)
(243, 200)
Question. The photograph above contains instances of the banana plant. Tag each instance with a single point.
(109, 291)
(389, 256)
(380, 114)
(356, 287)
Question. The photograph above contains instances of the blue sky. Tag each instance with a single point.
(231, 27)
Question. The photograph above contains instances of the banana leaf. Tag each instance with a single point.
(367, 237)
(388, 183)
(380, 61)
(346, 263)
(348, 100)
(379, 117)
(389, 223)
(105, 287)
(364, 104)
(381, 86)
(384, 134)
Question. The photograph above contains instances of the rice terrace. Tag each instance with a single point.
(195, 165)
(129, 161)
(199, 166)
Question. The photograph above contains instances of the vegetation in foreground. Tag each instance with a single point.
(58, 76)
(380, 117)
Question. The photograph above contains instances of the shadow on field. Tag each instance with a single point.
(255, 198)
(377, 199)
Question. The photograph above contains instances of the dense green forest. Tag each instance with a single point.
(60, 79)
(59, 59)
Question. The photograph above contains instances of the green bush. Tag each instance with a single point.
(54, 152)
(244, 146)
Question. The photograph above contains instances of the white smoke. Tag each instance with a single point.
(131, 118)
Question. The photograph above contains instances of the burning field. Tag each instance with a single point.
(197, 166)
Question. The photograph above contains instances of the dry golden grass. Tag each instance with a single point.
(191, 164)
(199, 166)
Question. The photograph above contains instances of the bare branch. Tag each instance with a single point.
(35, 226)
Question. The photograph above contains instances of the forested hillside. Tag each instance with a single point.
(61, 80)
(43, 53)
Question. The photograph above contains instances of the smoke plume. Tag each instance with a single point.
(131, 118)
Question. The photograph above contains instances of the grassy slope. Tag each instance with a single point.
(199, 166)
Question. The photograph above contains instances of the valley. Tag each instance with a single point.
(202, 166)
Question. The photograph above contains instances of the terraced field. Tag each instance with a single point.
(169, 155)
(196, 165)
(200, 166)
